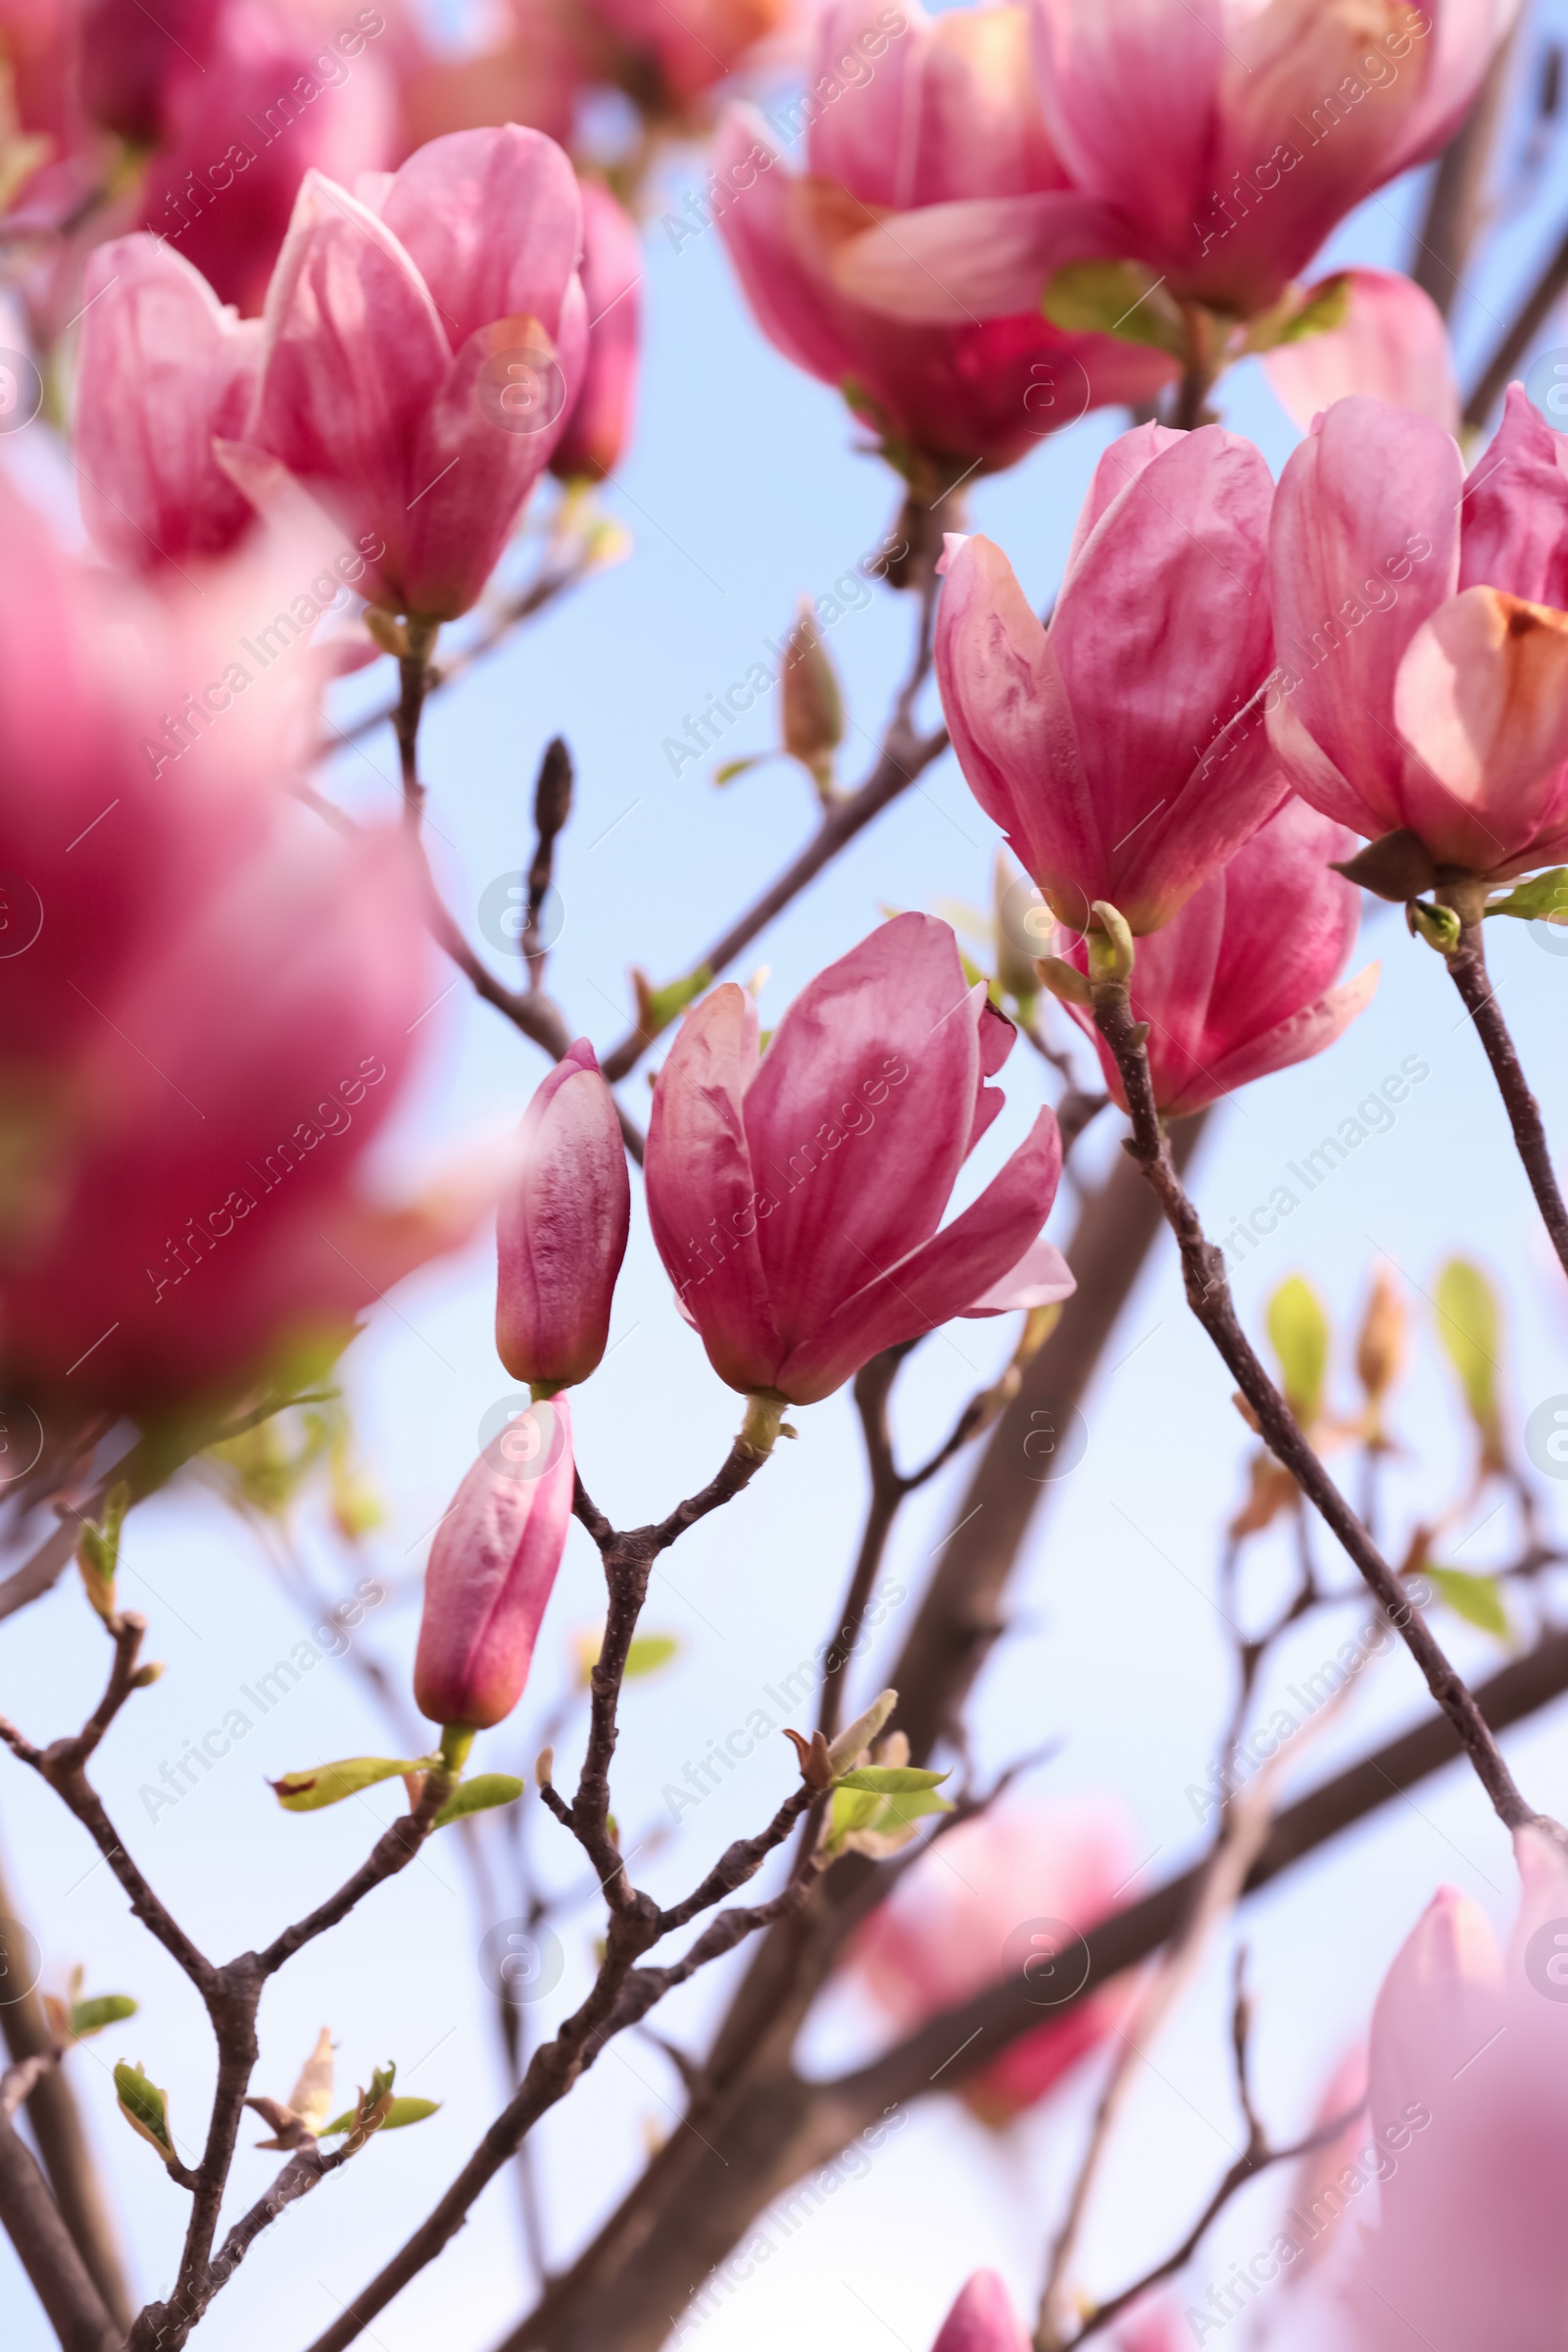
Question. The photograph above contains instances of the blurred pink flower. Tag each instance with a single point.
(982, 2319)
(1422, 637)
(600, 421)
(1240, 982)
(130, 57)
(944, 1934)
(1120, 750)
(910, 109)
(492, 1569)
(1394, 345)
(1216, 144)
(205, 997)
(284, 87)
(669, 59)
(795, 1196)
(1469, 2121)
(423, 346)
(162, 369)
(561, 1233)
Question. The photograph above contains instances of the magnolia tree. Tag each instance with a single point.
(302, 311)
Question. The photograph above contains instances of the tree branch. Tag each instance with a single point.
(1208, 1297)
(1469, 966)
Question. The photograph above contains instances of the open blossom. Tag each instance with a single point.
(600, 423)
(423, 346)
(492, 1568)
(982, 2319)
(922, 111)
(1115, 748)
(1240, 982)
(205, 1002)
(795, 1194)
(1217, 149)
(1466, 2132)
(1423, 639)
(944, 1935)
(561, 1233)
(164, 368)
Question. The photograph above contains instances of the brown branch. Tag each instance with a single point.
(1456, 203)
(303, 2171)
(1208, 1297)
(1469, 966)
(56, 2271)
(62, 2145)
(765, 2133)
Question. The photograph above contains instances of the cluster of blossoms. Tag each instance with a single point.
(330, 341)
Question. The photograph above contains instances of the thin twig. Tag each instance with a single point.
(1469, 966)
(1208, 1297)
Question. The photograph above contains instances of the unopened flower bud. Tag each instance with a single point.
(492, 1567)
(1110, 944)
(1381, 1346)
(561, 1234)
(1064, 980)
(813, 708)
(1438, 926)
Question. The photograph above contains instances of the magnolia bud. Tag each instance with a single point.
(1110, 945)
(1438, 926)
(561, 1234)
(812, 713)
(1380, 1347)
(492, 1567)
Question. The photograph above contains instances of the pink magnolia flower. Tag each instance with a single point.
(1393, 345)
(128, 58)
(1469, 2120)
(562, 1230)
(205, 1002)
(1218, 149)
(907, 110)
(1423, 639)
(1239, 983)
(282, 88)
(946, 1933)
(421, 349)
(795, 1196)
(164, 368)
(669, 59)
(982, 2319)
(492, 1567)
(1117, 749)
(600, 423)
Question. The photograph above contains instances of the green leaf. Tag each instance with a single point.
(92, 2017)
(1329, 308)
(851, 1809)
(1478, 1599)
(897, 1811)
(1298, 1332)
(1543, 898)
(144, 2107)
(892, 1779)
(400, 2112)
(650, 1652)
(330, 1783)
(485, 1789)
(1115, 298)
(1468, 1327)
(738, 768)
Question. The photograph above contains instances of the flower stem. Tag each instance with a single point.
(1208, 1296)
(1469, 966)
(413, 684)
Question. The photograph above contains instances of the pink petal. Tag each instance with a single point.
(982, 2319)
(1041, 1278)
(1515, 534)
(985, 257)
(1481, 699)
(938, 1280)
(858, 1118)
(1364, 544)
(491, 220)
(162, 369)
(703, 1200)
(354, 357)
(1393, 346)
